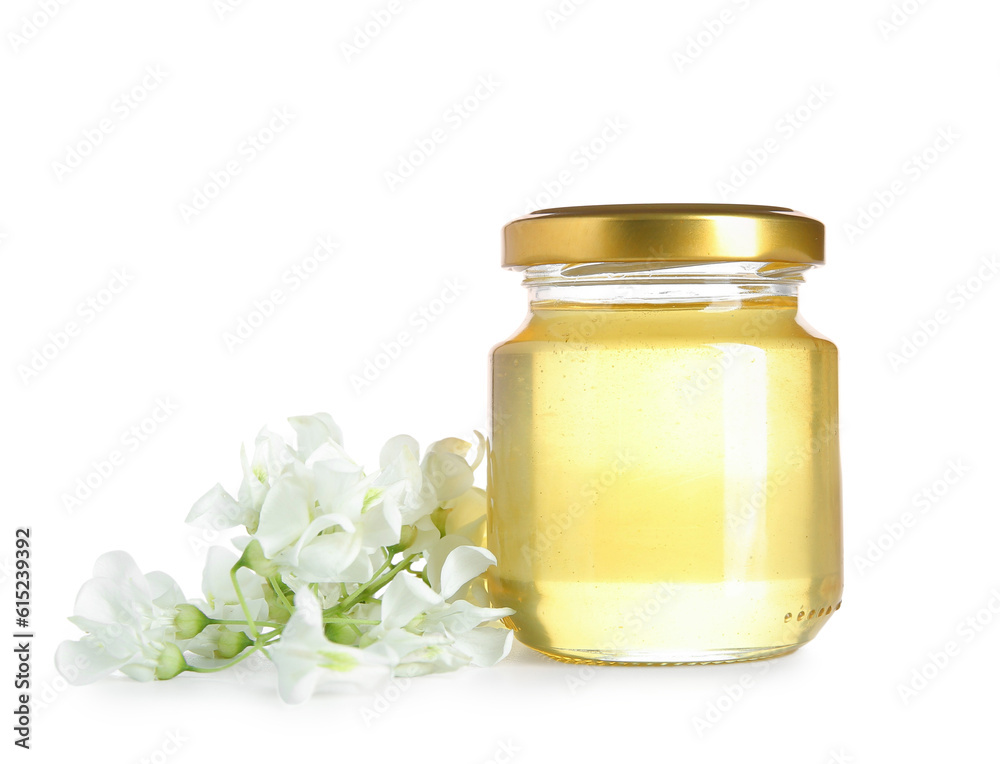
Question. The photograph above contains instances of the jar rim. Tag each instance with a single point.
(676, 233)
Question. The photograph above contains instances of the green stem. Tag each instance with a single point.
(275, 582)
(268, 624)
(349, 620)
(243, 603)
(382, 567)
(376, 583)
(243, 656)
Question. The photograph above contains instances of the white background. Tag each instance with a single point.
(891, 85)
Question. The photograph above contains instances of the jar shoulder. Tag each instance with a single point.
(621, 328)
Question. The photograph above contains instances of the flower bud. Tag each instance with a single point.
(406, 537)
(255, 559)
(171, 662)
(341, 633)
(276, 610)
(189, 622)
(231, 643)
(440, 519)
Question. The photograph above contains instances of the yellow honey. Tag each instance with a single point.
(664, 480)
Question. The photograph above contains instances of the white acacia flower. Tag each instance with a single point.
(311, 507)
(217, 509)
(129, 620)
(423, 632)
(325, 535)
(418, 487)
(222, 603)
(306, 660)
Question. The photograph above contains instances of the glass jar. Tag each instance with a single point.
(664, 474)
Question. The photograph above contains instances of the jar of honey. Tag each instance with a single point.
(664, 473)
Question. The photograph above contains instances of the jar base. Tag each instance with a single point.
(667, 657)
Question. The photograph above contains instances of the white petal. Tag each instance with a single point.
(218, 510)
(480, 450)
(303, 656)
(85, 661)
(313, 431)
(462, 565)
(427, 536)
(381, 525)
(120, 568)
(141, 670)
(217, 584)
(448, 473)
(105, 601)
(437, 552)
(316, 527)
(295, 656)
(340, 487)
(405, 598)
(400, 453)
(305, 627)
(284, 516)
(395, 644)
(462, 616)
(164, 591)
(117, 565)
(334, 557)
(271, 453)
(432, 660)
(486, 645)
(450, 446)
(468, 516)
(253, 490)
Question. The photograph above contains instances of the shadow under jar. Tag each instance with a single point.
(664, 474)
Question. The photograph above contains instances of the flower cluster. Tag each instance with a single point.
(343, 576)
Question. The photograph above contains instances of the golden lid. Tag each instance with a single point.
(677, 233)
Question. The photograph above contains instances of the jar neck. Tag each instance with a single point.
(737, 284)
